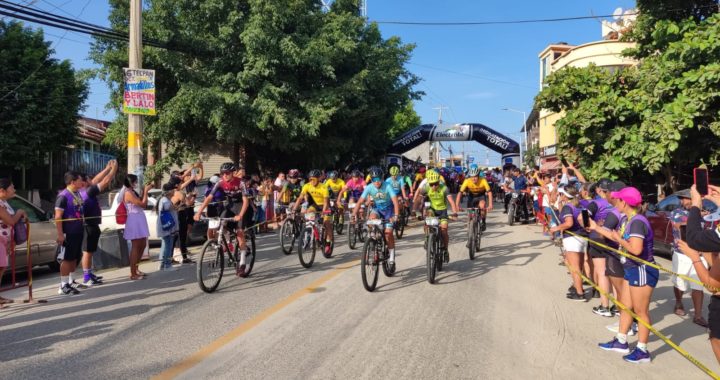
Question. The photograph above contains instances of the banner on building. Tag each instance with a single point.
(139, 96)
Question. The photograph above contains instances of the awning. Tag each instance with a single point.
(550, 165)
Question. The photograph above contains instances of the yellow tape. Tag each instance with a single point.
(657, 333)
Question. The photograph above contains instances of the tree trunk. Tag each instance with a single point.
(670, 185)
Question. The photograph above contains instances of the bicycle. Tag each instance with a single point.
(312, 235)
(403, 219)
(375, 251)
(211, 265)
(355, 234)
(338, 216)
(435, 248)
(289, 232)
(474, 232)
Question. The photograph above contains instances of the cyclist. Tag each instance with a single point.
(317, 197)
(354, 188)
(439, 197)
(478, 191)
(385, 207)
(335, 187)
(237, 206)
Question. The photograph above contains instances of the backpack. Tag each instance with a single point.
(121, 211)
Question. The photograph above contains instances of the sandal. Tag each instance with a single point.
(680, 311)
(700, 321)
(137, 277)
(141, 274)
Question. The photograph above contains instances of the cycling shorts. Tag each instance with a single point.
(474, 200)
(385, 214)
(440, 214)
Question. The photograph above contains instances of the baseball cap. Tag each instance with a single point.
(604, 184)
(629, 195)
(616, 186)
(565, 193)
(685, 193)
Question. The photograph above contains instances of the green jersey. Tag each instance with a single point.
(438, 197)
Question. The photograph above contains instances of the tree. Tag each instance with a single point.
(283, 80)
(40, 97)
(404, 120)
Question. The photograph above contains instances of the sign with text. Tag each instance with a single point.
(139, 96)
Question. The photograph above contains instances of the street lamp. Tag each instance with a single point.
(524, 131)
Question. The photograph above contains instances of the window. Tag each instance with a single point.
(669, 204)
(34, 214)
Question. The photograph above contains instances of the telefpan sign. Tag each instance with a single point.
(139, 96)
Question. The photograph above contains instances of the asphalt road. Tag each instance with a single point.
(502, 316)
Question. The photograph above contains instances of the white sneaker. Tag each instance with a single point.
(614, 328)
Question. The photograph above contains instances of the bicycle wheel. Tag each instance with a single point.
(439, 253)
(339, 223)
(478, 237)
(250, 255)
(511, 213)
(352, 235)
(430, 253)
(388, 269)
(399, 228)
(287, 237)
(306, 247)
(472, 239)
(210, 266)
(369, 265)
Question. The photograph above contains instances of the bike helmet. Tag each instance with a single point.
(376, 172)
(228, 167)
(356, 173)
(332, 174)
(473, 171)
(315, 173)
(422, 170)
(293, 173)
(433, 177)
(394, 170)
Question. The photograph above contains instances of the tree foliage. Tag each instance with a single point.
(657, 116)
(283, 79)
(41, 97)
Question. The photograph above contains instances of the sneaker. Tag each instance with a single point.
(615, 326)
(574, 296)
(638, 356)
(68, 290)
(447, 256)
(595, 294)
(241, 271)
(614, 310)
(484, 226)
(615, 345)
(96, 278)
(188, 261)
(92, 281)
(603, 311)
(78, 285)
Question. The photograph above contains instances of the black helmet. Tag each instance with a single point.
(227, 167)
(356, 173)
(376, 172)
(315, 173)
(332, 174)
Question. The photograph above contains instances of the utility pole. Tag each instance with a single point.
(135, 122)
(440, 108)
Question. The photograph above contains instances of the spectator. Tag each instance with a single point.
(278, 185)
(573, 245)
(520, 185)
(185, 202)
(69, 218)
(91, 189)
(8, 219)
(599, 210)
(167, 229)
(683, 265)
(136, 226)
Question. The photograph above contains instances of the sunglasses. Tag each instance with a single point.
(376, 179)
(435, 184)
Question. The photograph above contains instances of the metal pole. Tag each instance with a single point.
(135, 122)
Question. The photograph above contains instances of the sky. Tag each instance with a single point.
(474, 71)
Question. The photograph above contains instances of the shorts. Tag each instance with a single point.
(574, 244)
(91, 238)
(385, 214)
(642, 275)
(246, 222)
(613, 267)
(596, 252)
(683, 265)
(440, 214)
(73, 247)
(474, 200)
(714, 317)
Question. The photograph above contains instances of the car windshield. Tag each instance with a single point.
(34, 214)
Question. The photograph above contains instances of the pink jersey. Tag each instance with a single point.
(356, 187)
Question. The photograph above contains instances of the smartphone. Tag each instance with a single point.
(564, 161)
(701, 180)
(586, 218)
(683, 232)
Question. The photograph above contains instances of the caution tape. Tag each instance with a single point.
(657, 333)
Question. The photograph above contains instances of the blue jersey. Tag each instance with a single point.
(395, 184)
(382, 196)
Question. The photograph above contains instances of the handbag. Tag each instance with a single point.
(121, 213)
(21, 232)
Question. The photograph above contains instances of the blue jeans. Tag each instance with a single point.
(166, 251)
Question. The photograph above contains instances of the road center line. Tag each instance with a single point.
(246, 326)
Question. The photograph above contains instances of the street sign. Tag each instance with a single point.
(139, 96)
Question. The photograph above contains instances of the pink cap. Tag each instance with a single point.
(630, 195)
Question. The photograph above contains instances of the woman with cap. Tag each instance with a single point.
(574, 246)
(636, 239)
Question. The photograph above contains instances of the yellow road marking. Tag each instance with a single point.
(215, 345)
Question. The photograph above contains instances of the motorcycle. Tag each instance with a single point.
(515, 208)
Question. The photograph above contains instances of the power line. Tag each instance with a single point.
(471, 75)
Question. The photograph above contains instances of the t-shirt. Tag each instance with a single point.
(233, 191)
(73, 211)
(91, 205)
(546, 195)
(519, 183)
(381, 196)
(475, 188)
(317, 194)
(356, 187)
(567, 211)
(438, 198)
(637, 227)
(396, 184)
(334, 186)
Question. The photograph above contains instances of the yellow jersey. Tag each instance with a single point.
(481, 187)
(335, 186)
(317, 194)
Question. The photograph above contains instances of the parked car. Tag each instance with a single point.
(659, 217)
(42, 237)
(197, 234)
